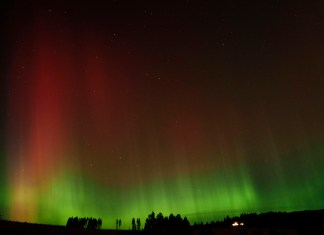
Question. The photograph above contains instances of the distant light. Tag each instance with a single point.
(237, 224)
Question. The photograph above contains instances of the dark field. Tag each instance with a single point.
(9, 227)
(270, 223)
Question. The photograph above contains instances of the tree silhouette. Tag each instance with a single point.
(165, 225)
(118, 223)
(138, 223)
(133, 224)
(186, 225)
(150, 223)
(99, 223)
(92, 223)
(172, 222)
(85, 222)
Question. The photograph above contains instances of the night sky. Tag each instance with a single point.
(115, 109)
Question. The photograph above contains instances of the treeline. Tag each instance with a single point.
(85, 222)
(296, 219)
(160, 224)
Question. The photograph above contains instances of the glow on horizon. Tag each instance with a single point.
(73, 195)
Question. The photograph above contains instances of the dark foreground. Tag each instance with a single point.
(15, 228)
(293, 223)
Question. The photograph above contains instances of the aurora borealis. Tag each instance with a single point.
(115, 109)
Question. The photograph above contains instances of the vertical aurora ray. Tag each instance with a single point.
(38, 120)
(102, 121)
